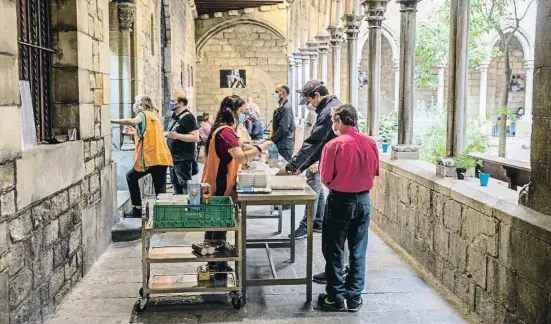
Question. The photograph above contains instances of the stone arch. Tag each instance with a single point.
(522, 37)
(387, 33)
(214, 30)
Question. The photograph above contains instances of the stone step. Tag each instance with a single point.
(128, 229)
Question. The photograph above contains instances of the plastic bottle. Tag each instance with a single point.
(273, 155)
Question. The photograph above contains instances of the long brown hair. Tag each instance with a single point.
(226, 115)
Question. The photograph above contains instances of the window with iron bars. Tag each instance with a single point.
(35, 60)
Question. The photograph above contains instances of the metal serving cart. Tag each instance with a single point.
(230, 284)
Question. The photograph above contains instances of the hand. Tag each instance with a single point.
(314, 168)
(246, 166)
(172, 135)
(282, 171)
(266, 145)
(130, 131)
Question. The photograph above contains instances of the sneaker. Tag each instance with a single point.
(300, 233)
(317, 230)
(320, 278)
(325, 303)
(354, 304)
(134, 213)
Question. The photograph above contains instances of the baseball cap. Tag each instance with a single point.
(307, 89)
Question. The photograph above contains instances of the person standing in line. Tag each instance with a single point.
(283, 135)
(182, 137)
(348, 167)
(253, 107)
(152, 153)
(205, 128)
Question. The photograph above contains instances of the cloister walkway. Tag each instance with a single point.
(394, 293)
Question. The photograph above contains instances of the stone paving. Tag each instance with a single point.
(394, 292)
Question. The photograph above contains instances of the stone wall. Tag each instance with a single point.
(56, 201)
(255, 49)
(478, 242)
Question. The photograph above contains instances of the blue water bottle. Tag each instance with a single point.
(273, 155)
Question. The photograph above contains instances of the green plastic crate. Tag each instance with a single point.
(219, 213)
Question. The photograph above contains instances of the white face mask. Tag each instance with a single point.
(276, 97)
(337, 132)
(135, 108)
(311, 108)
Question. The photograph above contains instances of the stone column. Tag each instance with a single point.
(298, 79)
(305, 56)
(313, 52)
(396, 85)
(483, 92)
(536, 194)
(352, 29)
(441, 85)
(291, 80)
(405, 148)
(529, 89)
(126, 14)
(457, 77)
(375, 11)
(323, 51)
(335, 41)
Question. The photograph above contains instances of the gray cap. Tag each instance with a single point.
(308, 89)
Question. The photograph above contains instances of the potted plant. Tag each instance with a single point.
(463, 162)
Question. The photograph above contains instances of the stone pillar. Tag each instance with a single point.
(313, 52)
(396, 84)
(441, 85)
(529, 89)
(352, 29)
(291, 80)
(457, 77)
(335, 41)
(126, 14)
(536, 194)
(375, 11)
(323, 51)
(305, 56)
(405, 148)
(298, 79)
(483, 92)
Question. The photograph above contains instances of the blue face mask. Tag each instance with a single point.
(172, 106)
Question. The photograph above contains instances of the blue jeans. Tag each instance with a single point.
(347, 217)
(314, 181)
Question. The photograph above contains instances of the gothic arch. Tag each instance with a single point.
(386, 32)
(522, 37)
(214, 30)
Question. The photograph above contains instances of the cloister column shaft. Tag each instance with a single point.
(396, 84)
(336, 40)
(483, 91)
(441, 85)
(408, 12)
(126, 17)
(538, 193)
(375, 11)
(323, 51)
(352, 28)
(529, 89)
(313, 53)
(457, 79)
(291, 79)
(299, 80)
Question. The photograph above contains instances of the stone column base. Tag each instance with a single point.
(404, 152)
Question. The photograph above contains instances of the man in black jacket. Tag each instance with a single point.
(314, 92)
(283, 125)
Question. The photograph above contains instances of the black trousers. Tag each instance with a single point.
(180, 174)
(158, 173)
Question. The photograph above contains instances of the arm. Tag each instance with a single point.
(128, 121)
(245, 154)
(186, 131)
(327, 164)
(191, 137)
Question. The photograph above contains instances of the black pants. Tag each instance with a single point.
(180, 174)
(286, 154)
(158, 173)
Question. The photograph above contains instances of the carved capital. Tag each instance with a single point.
(336, 35)
(313, 49)
(291, 60)
(323, 43)
(408, 5)
(529, 64)
(375, 12)
(352, 24)
(126, 14)
(298, 58)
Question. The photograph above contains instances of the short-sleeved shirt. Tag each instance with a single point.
(225, 141)
(184, 123)
(350, 162)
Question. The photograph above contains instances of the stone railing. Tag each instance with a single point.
(477, 241)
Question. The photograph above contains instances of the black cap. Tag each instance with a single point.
(308, 89)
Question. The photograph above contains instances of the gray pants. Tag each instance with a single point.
(314, 181)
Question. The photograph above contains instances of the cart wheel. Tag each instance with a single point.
(140, 305)
(237, 302)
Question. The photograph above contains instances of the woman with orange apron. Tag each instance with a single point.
(225, 155)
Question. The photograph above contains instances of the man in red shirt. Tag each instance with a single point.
(348, 166)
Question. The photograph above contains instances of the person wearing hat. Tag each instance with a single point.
(315, 94)
(283, 123)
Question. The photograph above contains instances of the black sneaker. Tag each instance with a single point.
(134, 213)
(320, 278)
(325, 303)
(354, 304)
(300, 233)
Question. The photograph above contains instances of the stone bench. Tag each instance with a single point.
(514, 172)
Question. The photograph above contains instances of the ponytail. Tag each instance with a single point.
(226, 115)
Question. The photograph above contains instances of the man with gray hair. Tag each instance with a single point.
(348, 166)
